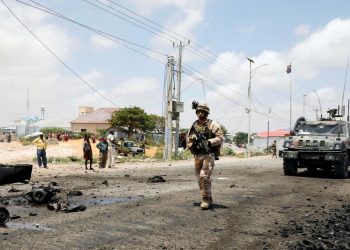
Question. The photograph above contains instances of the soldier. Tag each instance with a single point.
(204, 140)
(274, 149)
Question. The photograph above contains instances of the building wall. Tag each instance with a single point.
(89, 127)
(84, 110)
(260, 143)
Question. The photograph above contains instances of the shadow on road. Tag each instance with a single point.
(212, 207)
(322, 174)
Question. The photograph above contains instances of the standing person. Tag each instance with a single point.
(274, 149)
(41, 146)
(103, 147)
(9, 137)
(204, 140)
(87, 150)
(111, 148)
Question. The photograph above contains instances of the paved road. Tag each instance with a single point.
(253, 201)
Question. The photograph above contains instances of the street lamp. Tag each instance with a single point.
(251, 74)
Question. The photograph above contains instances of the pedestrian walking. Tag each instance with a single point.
(103, 147)
(111, 148)
(87, 150)
(274, 149)
(41, 145)
(204, 140)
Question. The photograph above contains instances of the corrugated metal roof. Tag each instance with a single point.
(101, 115)
(274, 133)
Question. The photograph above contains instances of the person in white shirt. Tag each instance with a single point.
(111, 148)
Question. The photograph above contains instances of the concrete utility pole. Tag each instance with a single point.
(250, 102)
(168, 110)
(178, 94)
(268, 130)
(42, 112)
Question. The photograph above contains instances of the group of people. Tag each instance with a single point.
(106, 146)
(107, 151)
(204, 138)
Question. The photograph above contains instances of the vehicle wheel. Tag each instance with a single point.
(39, 195)
(4, 216)
(342, 168)
(290, 167)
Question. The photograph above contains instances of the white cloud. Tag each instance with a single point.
(302, 30)
(100, 42)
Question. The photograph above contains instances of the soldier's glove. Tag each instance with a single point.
(193, 137)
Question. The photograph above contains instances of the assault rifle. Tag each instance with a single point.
(201, 144)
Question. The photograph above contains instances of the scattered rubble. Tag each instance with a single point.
(156, 178)
(330, 232)
(4, 216)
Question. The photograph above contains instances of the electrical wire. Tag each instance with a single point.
(57, 58)
(101, 33)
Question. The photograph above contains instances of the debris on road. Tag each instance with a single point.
(156, 178)
(15, 173)
(4, 216)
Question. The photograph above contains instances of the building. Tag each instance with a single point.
(262, 139)
(88, 121)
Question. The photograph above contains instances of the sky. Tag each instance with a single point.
(113, 53)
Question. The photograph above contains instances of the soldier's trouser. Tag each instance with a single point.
(111, 156)
(204, 166)
(102, 160)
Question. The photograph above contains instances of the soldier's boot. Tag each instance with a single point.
(205, 203)
(210, 200)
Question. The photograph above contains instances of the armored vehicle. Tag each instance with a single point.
(320, 144)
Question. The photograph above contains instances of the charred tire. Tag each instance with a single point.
(39, 196)
(290, 167)
(312, 170)
(4, 216)
(341, 170)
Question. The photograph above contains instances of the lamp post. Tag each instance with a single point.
(251, 74)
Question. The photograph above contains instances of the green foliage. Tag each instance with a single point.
(183, 155)
(229, 151)
(224, 129)
(63, 160)
(240, 138)
(53, 130)
(135, 118)
(159, 154)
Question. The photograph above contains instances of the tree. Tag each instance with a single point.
(224, 129)
(135, 118)
(240, 138)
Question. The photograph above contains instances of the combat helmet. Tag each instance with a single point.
(204, 107)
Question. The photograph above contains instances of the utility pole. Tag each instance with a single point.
(268, 130)
(250, 102)
(42, 112)
(304, 96)
(178, 97)
(316, 113)
(168, 110)
(27, 100)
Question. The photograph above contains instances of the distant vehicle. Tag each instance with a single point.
(321, 144)
(129, 147)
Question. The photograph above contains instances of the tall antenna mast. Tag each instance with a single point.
(27, 100)
(346, 74)
(319, 103)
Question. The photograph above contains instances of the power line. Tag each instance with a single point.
(101, 33)
(59, 59)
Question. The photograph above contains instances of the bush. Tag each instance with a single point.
(183, 155)
(229, 151)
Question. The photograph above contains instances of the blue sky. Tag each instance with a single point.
(312, 35)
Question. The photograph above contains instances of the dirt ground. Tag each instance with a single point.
(255, 207)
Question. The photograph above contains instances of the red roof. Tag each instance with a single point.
(101, 115)
(274, 133)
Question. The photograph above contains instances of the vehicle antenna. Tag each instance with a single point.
(346, 74)
(319, 103)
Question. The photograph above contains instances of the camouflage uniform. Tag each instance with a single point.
(204, 162)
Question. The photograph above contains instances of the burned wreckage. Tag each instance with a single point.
(319, 144)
